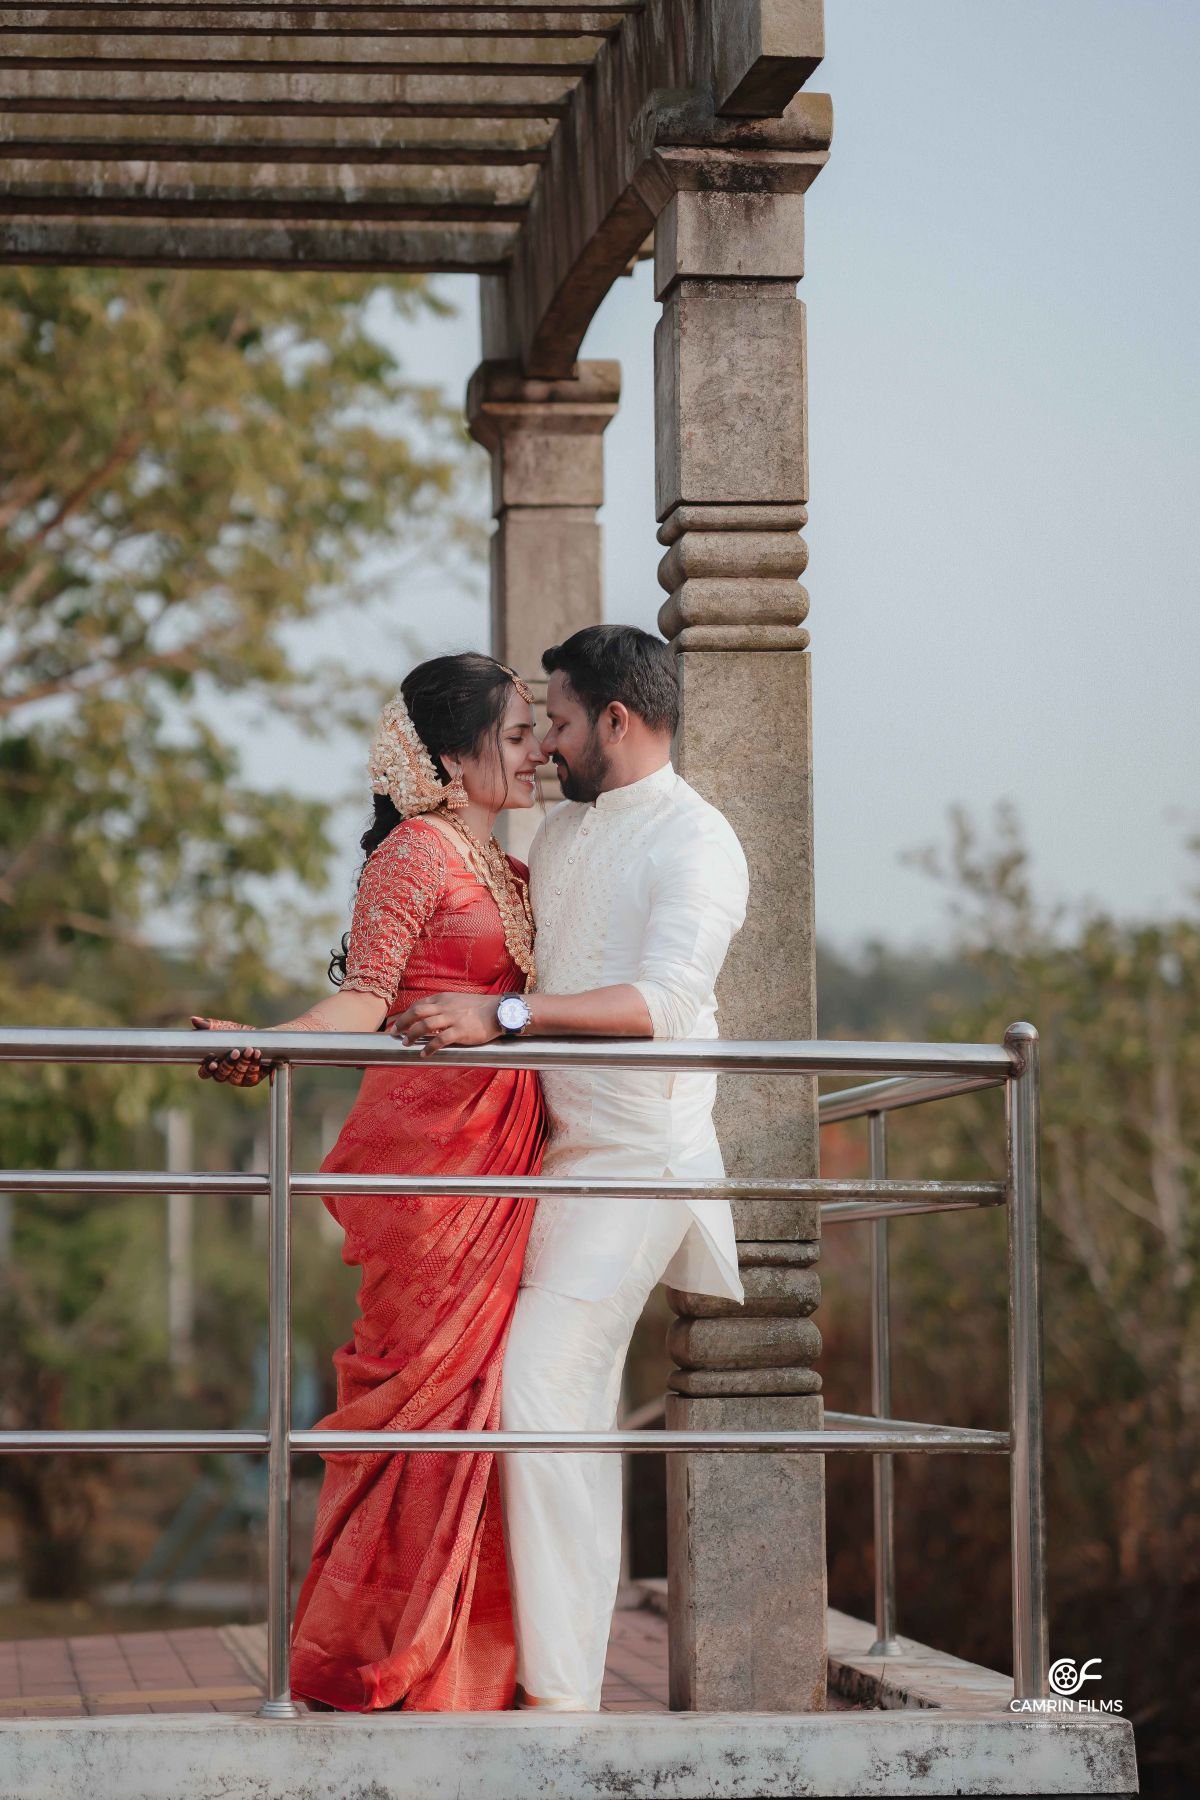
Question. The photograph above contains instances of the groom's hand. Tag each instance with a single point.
(443, 1019)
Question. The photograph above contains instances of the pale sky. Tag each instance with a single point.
(1003, 327)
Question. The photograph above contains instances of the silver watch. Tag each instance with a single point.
(513, 1015)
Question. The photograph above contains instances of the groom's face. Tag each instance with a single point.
(572, 742)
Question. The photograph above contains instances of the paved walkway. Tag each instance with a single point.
(221, 1669)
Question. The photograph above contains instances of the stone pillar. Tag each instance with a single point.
(545, 439)
(746, 1534)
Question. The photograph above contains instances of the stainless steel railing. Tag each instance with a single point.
(914, 1073)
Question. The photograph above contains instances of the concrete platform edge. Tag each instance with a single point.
(516, 1756)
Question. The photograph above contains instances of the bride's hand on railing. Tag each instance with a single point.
(240, 1068)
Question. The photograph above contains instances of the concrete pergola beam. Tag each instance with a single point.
(236, 137)
(165, 243)
(534, 20)
(102, 48)
(586, 221)
(764, 53)
(428, 191)
(451, 93)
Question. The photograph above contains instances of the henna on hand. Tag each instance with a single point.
(239, 1068)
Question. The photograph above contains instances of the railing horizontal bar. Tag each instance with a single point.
(48, 1443)
(126, 1181)
(851, 1212)
(360, 1050)
(897, 1091)
(870, 1435)
(851, 1421)
(841, 1212)
(856, 1195)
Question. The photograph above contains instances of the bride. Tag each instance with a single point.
(406, 1602)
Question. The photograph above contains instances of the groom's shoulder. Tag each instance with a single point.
(690, 811)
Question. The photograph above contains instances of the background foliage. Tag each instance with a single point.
(195, 469)
(1117, 1004)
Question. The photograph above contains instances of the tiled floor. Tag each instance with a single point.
(149, 1671)
(210, 1669)
(635, 1673)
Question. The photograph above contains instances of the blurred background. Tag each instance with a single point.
(235, 508)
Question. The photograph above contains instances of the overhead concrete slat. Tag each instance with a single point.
(256, 208)
(433, 249)
(364, 20)
(113, 50)
(423, 8)
(422, 189)
(236, 137)
(160, 91)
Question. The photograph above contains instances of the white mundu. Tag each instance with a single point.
(646, 887)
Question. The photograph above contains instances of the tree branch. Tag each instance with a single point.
(122, 452)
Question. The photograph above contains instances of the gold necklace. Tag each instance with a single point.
(509, 892)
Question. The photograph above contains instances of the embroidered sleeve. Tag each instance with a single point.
(397, 895)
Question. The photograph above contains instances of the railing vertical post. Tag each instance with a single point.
(886, 1642)
(279, 1703)
(1026, 1468)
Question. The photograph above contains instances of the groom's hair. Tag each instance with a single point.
(603, 663)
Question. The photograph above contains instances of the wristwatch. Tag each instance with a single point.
(513, 1015)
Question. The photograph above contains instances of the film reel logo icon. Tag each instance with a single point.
(1066, 1679)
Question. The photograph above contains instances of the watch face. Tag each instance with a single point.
(512, 1013)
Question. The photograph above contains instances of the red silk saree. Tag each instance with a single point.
(406, 1602)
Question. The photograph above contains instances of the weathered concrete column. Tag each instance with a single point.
(747, 1541)
(545, 439)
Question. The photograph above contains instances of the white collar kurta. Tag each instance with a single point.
(646, 886)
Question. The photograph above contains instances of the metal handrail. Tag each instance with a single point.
(359, 1050)
(922, 1195)
(842, 1431)
(915, 1073)
(897, 1091)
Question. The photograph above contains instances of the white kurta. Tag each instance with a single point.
(647, 886)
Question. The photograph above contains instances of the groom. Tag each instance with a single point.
(638, 885)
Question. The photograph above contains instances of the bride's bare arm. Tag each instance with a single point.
(347, 1010)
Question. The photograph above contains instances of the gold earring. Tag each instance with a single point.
(456, 793)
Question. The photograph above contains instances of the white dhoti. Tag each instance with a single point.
(562, 1372)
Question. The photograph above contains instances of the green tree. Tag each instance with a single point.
(193, 469)
(193, 465)
(1117, 1004)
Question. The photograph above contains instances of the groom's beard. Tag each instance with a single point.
(584, 778)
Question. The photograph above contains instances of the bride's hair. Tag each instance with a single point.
(454, 702)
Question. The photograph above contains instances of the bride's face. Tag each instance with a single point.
(504, 773)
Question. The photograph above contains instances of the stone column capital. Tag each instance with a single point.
(501, 400)
(728, 196)
(725, 150)
(544, 436)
